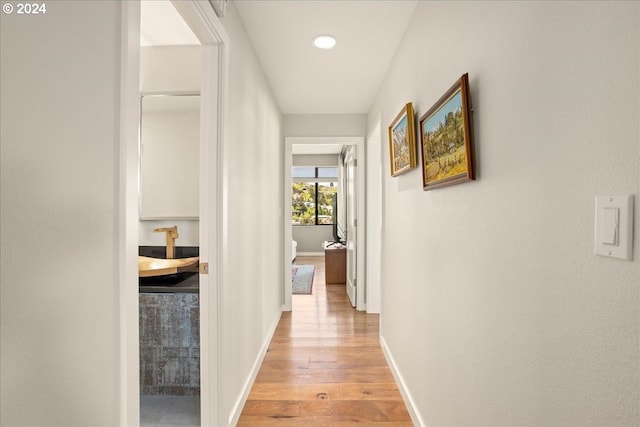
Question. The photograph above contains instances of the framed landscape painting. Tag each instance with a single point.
(446, 139)
(402, 143)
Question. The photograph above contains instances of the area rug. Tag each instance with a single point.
(302, 279)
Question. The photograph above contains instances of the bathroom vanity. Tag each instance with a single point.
(169, 344)
(185, 281)
(169, 313)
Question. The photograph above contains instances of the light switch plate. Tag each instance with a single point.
(614, 227)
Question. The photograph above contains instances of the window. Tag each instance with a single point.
(312, 193)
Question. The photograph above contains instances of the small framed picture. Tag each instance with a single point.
(446, 139)
(402, 142)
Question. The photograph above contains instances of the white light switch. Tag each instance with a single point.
(609, 226)
(614, 226)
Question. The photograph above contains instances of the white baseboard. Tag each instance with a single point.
(402, 386)
(234, 416)
(310, 254)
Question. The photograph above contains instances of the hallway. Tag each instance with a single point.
(324, 366)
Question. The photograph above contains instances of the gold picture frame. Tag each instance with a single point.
(402, 142)
(446, 139)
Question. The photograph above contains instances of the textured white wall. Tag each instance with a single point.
(494, 306)
(252, 294)
(59, 278)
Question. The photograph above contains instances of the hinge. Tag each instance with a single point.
(204, 268)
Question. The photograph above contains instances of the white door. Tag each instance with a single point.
(352, 203)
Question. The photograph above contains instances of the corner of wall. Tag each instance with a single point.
(412, 408)
(237, 407)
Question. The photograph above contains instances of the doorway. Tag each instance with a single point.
(358, 225)
(204, 23)
(351, 190)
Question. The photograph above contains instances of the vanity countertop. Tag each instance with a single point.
(186, 282)
(151, 267)
(174, 283)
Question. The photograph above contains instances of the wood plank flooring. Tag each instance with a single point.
(324, 366)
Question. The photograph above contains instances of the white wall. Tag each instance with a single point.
(166, 69)
(494, 307)
(253, 282)
(311, 237)
(169, 158)
(324, 125)
(169, 69)
(316, 159)
(188, 231)
(59, 279)
(375, 173)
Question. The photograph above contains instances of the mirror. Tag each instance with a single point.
(169, 156)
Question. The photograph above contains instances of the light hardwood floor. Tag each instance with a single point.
(324, 366)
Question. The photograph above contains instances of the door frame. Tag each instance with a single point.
(374, 215)
(205, 24)
(359, 142)
(350, 179)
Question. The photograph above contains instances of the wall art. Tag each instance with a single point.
(446, 139)
(402, 142)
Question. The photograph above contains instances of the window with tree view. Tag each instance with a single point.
(312, 195)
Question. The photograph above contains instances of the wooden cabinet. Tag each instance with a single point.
(335, 260)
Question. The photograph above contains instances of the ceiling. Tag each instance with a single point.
(304, 79)
(307, 80)
(162, 25)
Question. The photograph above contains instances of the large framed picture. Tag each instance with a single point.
(402, 142)
(446, 139)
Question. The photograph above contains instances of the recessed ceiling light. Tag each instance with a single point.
(324, 41)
